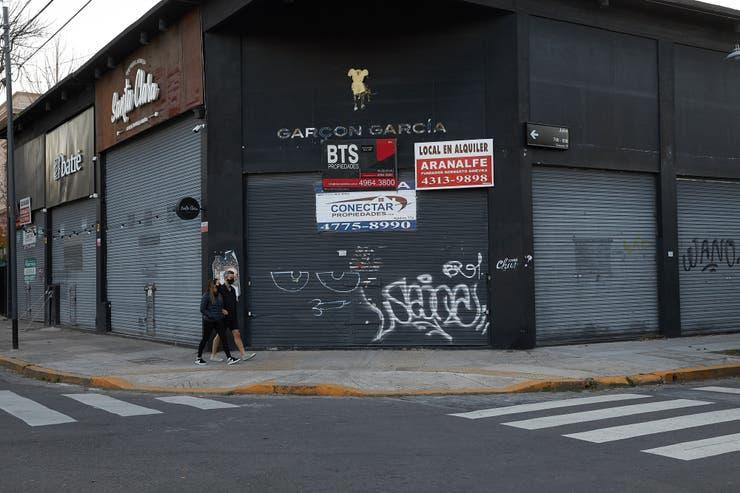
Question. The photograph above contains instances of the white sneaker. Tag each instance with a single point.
(248, 356)
(216, 358)
(233, 361)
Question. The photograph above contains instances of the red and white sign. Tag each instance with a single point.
(24, 212)
(454, 164)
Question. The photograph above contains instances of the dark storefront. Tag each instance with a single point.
(583, 242)
(153, 159)
(603, 204)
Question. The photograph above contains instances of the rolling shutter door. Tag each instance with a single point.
(73, 261)
(595, 244)
(30, 292)
(372, 288)
(709, 254)
(148, 246)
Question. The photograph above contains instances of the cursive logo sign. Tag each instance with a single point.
(65, 166)
(143, 91)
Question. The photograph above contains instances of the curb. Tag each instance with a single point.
(678, 375)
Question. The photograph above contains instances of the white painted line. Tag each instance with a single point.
(614, 433)
(724, 390)
(111, 405)
(611, 412)
(198, 402)
(542, 406)
(699, 449)
(33, 413)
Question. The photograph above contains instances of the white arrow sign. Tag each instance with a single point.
(534, 134)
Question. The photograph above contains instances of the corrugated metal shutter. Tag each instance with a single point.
(73, 261)
(30, 294)
(709, 255)
(594, 254)
(148, 245)
(315, 289)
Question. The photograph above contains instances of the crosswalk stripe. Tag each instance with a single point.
(111, 405)
(614, 433)
(198, 402)
(33, 413)
(611, 412)
(725, 390)
(542, 406)
(699, 449)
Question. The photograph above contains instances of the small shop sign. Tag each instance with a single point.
(363, 212)
(29, 236)
(188, 208)
(362, 164)
(454, 164)
(29, 269)
(24, 211)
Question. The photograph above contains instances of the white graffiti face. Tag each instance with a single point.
(291, 281)
(333, 281)
(434, 310)
(455, 267)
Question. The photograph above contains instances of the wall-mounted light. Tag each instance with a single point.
(734, 54)
(97, 73)
(162, 25)
(111, 63)
(143, 38)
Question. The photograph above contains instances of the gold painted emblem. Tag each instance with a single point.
(360, 91)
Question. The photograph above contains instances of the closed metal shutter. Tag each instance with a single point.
(594, 255)
(73, 261)
(153, 256)
(31, 303)
(399, 288)
(709, 255)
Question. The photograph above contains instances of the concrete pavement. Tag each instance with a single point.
(111, 361)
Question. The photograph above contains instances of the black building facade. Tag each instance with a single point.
(628, 233)
(624, 228)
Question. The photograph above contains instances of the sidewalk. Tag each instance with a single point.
(109, 361)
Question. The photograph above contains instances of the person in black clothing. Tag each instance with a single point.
(231, 321)
(212, 308)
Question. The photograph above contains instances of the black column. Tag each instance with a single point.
(510, 201)
(668, 284)
(102, 316)
(222, 189)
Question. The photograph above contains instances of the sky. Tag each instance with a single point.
(100, 22)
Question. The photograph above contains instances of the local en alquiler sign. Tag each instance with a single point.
(24, 211)
(363, 164)
(362, 212)
(454, 164)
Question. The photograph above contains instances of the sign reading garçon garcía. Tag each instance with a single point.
(134, 95)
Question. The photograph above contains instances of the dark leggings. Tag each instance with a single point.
(209, 327)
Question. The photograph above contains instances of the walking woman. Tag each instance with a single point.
(212, 308)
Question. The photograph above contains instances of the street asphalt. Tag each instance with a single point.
(279, 443)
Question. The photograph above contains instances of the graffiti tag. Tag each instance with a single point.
(709, 254)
